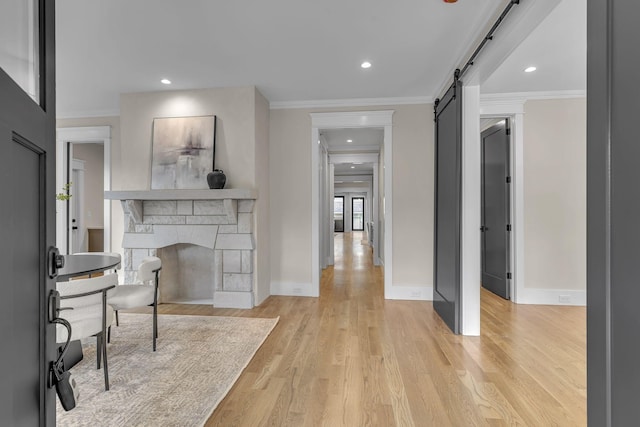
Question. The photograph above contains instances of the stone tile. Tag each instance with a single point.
(133, 208)
(185, 207)
(201, 235)
(245, 223)
(144, 228)
(164, 219)
(237, 282)
(129, 224)
(208, 207)
(231, 261)
(247, 262)
(217, 279)
(245, 205)
(207, 219)
(231, 208)
(228, 229)
(234, 241)
(160, 207)
(126, 261)
(138, 240)
(137, 255)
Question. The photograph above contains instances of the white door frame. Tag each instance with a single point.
(96, 135)
(474, 108)
(342, 120)
(77, 191)
(513, 109)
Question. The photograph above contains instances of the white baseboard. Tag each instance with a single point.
(224, 299)
(411, 293)
(293, 289)
(551, 296)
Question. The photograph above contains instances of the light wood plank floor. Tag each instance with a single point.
(350, 358)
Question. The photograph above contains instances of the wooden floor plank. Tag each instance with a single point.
(351, 358)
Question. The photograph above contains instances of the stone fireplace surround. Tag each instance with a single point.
(221, 220)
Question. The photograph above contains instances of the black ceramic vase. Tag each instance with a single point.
(216, 179)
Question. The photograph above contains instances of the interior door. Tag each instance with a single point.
(27, 211)
(357, 213)
(496, 216)
(448, 191)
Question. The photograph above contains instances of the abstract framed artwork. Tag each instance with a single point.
(183, 152)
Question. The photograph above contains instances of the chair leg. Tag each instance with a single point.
(106, 368)
(117, 320)
(109, 335)
(98, 350)
(155, 324)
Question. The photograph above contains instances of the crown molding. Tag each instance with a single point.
(529, 96)
(353, 102)
(87, 114)
(513, 103)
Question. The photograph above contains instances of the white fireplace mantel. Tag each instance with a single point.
(231, 193)
(220, 220)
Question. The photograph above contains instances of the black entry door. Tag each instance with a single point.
(338, 213)
(448, 161)
(495, 209)
(27, 211)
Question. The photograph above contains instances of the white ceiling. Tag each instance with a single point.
(362, 139)
(296, 50)
(557, 47)
(291, 50)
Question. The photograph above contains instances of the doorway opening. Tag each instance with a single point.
(495, 207)
(85, 208)
(91, 211)
(357, 213)
(377, 187)
(338, 214)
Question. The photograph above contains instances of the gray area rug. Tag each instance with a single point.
(198, 360)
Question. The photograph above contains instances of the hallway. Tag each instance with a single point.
(351, 358)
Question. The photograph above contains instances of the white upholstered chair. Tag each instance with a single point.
(142, 293)
(83, 303)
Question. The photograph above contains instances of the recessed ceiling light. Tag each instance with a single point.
(530, 69)
(165, 81)
(353, 167)
(366, 64)
(349, 140)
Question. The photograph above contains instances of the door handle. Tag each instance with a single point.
(483, 228)
(55, 261)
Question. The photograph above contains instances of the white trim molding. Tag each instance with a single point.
(529, 96)
(293, 289)
(352, 119)
(470, 235)
(513, 109)
(552, 296)
(87, 113)
(411, 293)
(353, 102)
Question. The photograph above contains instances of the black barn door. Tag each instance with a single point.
(27, 211)
(448, 162)
(496, 216)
